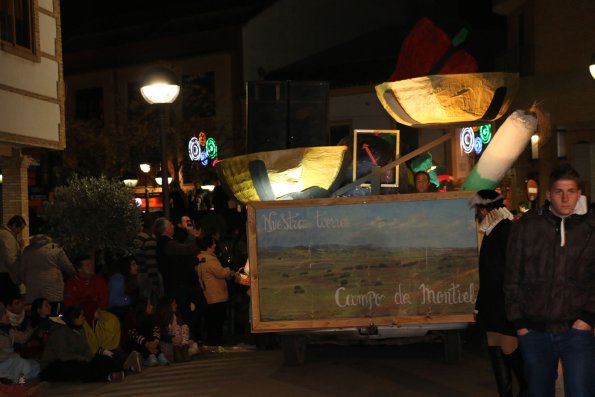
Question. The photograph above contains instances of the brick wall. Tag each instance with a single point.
(15, 195)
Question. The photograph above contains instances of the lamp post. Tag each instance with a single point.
(159, 86)
(146, 168)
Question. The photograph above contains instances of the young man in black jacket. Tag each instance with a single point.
(550, 288)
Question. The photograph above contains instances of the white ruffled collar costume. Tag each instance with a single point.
(492, 201)
(494, 217)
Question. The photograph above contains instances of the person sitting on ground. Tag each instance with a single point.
(20, 324)
(41, 323)
(142, 334)
(40, 314)
(103, 336)
(123, 287)
(67, 356)
(175, 335)
(12, 365)
(86, 289)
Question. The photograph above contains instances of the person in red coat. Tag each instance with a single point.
(86, 289)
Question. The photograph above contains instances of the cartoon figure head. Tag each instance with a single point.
(202, 138)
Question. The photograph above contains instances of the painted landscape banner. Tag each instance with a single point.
(324, 262)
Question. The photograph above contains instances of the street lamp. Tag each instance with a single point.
(129, 179)
(146, 168)
(592, 66)
(159, 180)
(131, 183)
(160, 87)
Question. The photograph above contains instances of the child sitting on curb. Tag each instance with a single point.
(175, 336)
(142, 334)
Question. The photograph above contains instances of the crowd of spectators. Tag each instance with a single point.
(63, 319)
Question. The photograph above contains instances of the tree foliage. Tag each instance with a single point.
(92, 214)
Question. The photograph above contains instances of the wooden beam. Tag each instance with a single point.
(369, 178)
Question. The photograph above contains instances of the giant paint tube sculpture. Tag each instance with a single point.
(506, 146)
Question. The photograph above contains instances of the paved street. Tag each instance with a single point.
(411, 371)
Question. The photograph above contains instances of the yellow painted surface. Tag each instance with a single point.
(289, 170)
(445, 99)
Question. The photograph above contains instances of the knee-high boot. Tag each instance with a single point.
(515, 362)
(501, 370)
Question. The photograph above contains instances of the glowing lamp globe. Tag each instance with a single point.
(159, 85)
(159, 180)
(130, 182)
(144, 167)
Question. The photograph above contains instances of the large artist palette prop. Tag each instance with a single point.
(361, 261)
(449, 99)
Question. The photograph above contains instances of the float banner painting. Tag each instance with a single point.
(371, 258)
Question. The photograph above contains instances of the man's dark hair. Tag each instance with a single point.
(206, 242)
(178, 219)
(122, 265)
(34, 312)
(70, 314)
(138, 313)
(163, 311)
(11, 297)
(78, 261)
(149, 220)
(564, 172)
(487, 198)
(421, 173)
(16, 221)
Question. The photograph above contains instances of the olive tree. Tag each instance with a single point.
(93, 215)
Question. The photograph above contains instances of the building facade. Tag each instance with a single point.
(215, 56)
(551, 44)
(31, 94)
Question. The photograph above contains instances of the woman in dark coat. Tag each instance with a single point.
(495, 222)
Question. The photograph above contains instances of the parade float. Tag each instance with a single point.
(330, 262)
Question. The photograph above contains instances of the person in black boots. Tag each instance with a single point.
(495, 222)
(177, 260)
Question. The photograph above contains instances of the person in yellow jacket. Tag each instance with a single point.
(103, 337)
(104, 333)
(212, 278)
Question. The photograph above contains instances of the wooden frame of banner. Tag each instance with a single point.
(258, 325)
